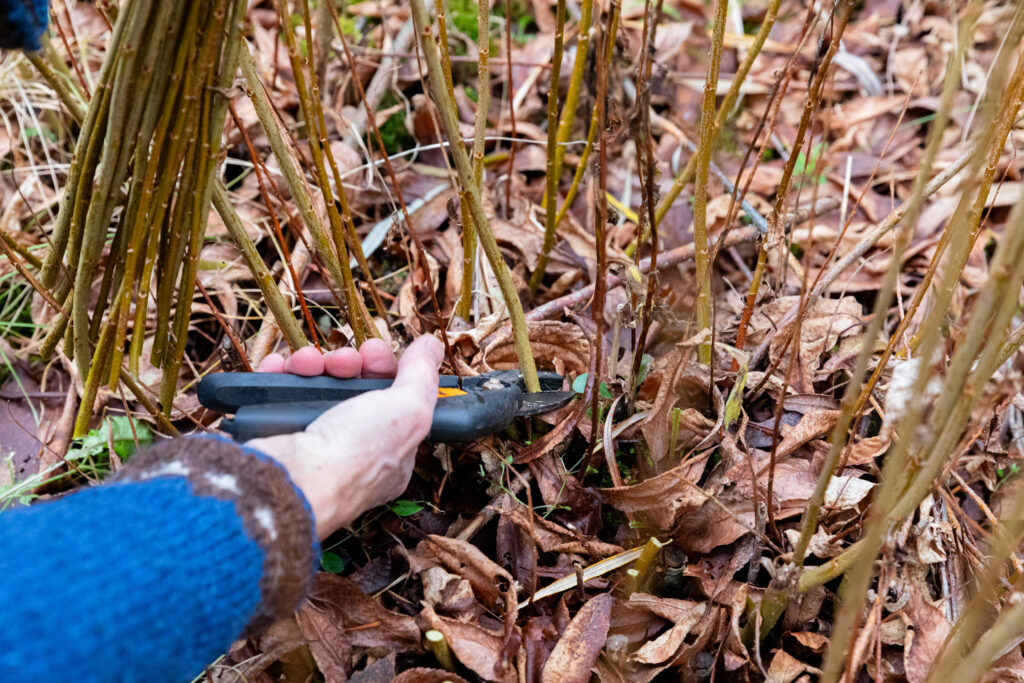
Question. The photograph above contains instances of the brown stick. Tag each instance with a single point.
(553, 308)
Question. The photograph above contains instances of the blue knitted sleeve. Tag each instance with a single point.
(22, 22)
(152, 576)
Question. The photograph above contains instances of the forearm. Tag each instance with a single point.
(154, 574)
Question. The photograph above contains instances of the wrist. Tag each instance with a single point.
(318, 480)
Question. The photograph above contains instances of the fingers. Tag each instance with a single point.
(374, 360)
(417, 370)
(273, 362)
(307, 361)
(343, 363)
(378, 360)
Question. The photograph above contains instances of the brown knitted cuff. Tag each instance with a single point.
(273, 510)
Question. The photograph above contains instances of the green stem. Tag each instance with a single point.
(483, 105)
(468, 188)
(264, 278)
(771, 12)
(700, 202)
(65, 91)
(296, 184)
(588, 148)
(215, 115)
(318, 148)
(552, 168)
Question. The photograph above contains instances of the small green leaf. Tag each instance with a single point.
(347, 26)
(116, 430)
(332, 563)
(405, 508)
(735, 402)
(579, 385)
(646, 361)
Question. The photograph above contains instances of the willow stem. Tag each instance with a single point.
(264, 278)
(552, 168)
(771, 12)
(471, 191)
(700, 201)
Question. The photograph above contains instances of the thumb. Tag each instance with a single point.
(417, 375)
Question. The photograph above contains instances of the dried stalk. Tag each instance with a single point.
(645, 158)
(903, 476)
(1007, 118)
(839, 436)
(600, 221)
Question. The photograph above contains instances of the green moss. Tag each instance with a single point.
(395, 135)
(524, 28)
(347, 27)
(463, 15)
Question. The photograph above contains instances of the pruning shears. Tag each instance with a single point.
(265, 404)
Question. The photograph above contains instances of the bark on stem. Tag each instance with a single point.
(469, 189)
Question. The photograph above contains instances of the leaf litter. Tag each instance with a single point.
(530, 551)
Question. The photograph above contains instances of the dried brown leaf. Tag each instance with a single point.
(380, 671)
(784, 668)
(683, 614)
(464, 559)
(577, 650)
(924, 641)
(556, 345)
(449, 593)
(554, 538)
(478, 648)
(327, 642)
(812, 425)
(368, 623)
(662, 498)
(680, 384)
(422, 675)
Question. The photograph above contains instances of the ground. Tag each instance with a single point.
(799, 416)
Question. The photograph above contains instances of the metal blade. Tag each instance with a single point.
(542, 402)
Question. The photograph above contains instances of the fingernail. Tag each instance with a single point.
(438, 348)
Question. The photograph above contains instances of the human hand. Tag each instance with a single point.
(360, 453)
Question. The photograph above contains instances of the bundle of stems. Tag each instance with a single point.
(140, 186)
(339, 211)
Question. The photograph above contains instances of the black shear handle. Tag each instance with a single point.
(457, 419)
